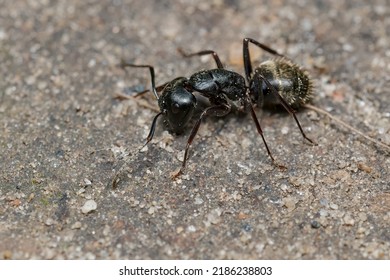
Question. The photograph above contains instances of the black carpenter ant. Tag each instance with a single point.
(276, 81)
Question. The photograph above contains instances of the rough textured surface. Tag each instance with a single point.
(63, 134)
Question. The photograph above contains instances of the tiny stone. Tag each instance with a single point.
(151, 210)
(289, 202)
(324, 202)
(198, 200)
(80, 191)
(315, 224)
(245, 238)
(31, 197)
(363, 216)
(214, 217)
(285, 130)
(30, 80)
(89, 206)
(364, 167)
(87, 182)
(284, 187)
(106, 230)
(49, 253)
(247, 227)
(49, 222)
(323, 221)
(348, 220)
(242, 216)
(361, 230)
(333, 206)
(323, 213)
(179, 230)
(42, 85)
(76, 225)
(191, 228)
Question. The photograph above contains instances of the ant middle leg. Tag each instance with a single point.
(201, 53)
(258, 127)
(217, 110)
(247, 57)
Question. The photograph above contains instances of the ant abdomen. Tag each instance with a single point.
(291, 82)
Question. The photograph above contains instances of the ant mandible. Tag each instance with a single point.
(276, 81)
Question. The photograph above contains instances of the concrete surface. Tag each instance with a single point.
(64, 135)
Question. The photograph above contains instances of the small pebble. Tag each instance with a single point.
(348, 220)
(89, 206)
(151, 210)
(87, 182)
(31, 197)
(214, 217)
(179, 230)
(247, 227)
(191, 228)
(285, 130)
(49, 222)
(362, 216)
(315, 224)
(290, 203)
(333, 206)
(323, 213)
(324, 202)
(198, 200)
(76, 225)
(242, 216)
(364, 167)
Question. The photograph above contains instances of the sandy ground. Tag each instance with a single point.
(64, 134)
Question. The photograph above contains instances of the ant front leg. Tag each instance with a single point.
(201, 53)
(124, 64)
(158, 89)
(217, 110)
(247, 57)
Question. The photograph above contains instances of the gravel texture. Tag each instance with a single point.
(64, 134)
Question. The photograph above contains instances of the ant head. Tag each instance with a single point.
(177, 104)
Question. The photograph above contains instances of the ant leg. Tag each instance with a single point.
(158, 89)
(122, 96)
(124, 64)
(247, 57)
(259, 130)
(286, 106)
(205, 52)
(217, 110)
(152, 129)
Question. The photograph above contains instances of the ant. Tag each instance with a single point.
(277, 81)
